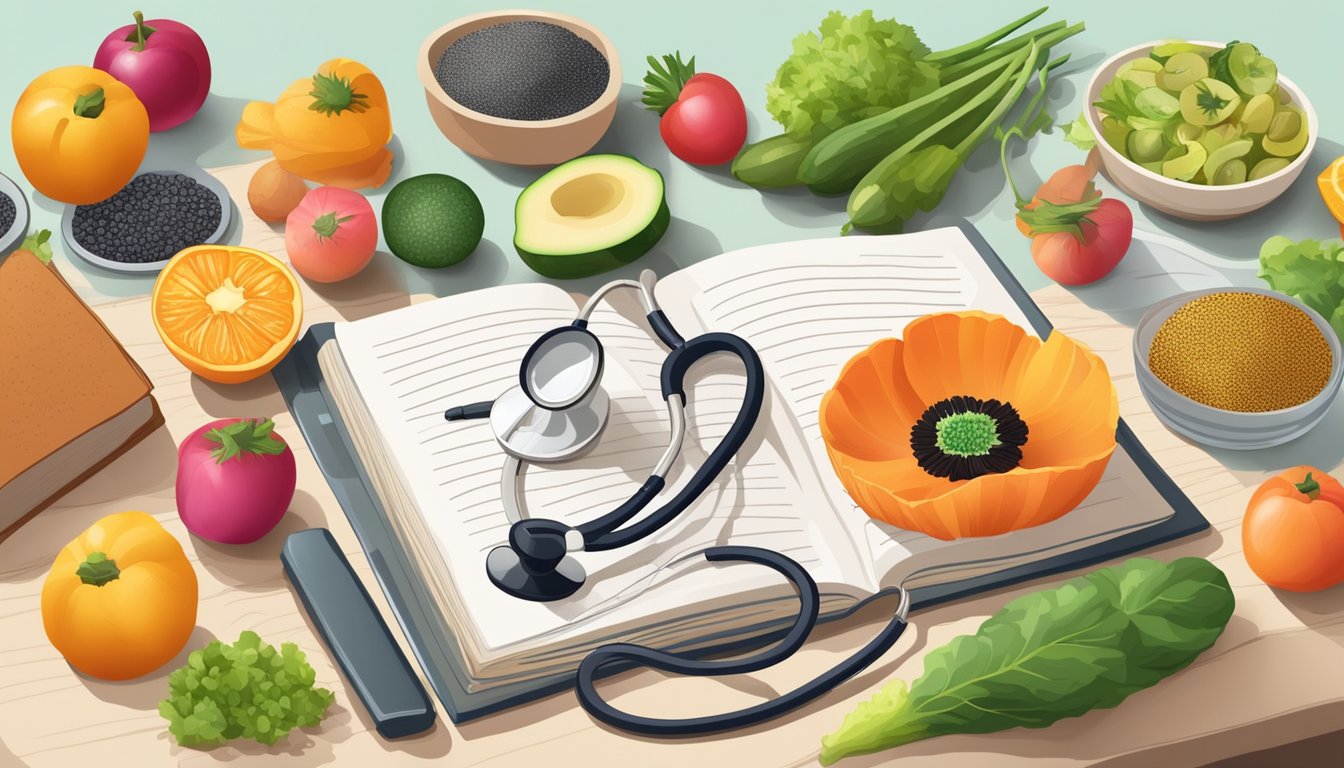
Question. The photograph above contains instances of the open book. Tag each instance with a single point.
(807, 307)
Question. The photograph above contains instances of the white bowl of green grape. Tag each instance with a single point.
(1199, 130)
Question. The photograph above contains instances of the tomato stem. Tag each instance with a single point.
(90, 104)
(97, 569)
(1310, 487)
(326, 225)
(142, 32)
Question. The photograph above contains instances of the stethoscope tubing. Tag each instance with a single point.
(539, 544)
(687, 664)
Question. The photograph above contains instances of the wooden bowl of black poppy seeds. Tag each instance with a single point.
(146, 223)
(521, 87)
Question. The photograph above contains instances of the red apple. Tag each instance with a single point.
(164, 62)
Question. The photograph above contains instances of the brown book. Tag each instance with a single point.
(71, 399)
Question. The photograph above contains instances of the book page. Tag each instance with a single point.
(411, 364)
(809, 306)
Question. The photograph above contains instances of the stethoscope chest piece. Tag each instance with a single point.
(527, 431)
(536, 565)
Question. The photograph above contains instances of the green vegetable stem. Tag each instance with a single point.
(916, 176)
(1059, 653)
(973, 48)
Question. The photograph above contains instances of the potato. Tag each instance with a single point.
(274, 192)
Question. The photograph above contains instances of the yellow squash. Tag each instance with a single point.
(120, 600)
(331, 128)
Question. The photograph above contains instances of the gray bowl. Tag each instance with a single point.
(1230, 429)
(151, 267)
(10, 238)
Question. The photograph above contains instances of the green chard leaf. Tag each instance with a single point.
(1086, 644)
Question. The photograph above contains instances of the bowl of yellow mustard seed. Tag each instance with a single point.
(1239, 368)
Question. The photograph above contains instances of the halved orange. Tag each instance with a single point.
(227, 313)
(1331, 183)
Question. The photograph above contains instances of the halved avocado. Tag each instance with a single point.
(590, 215)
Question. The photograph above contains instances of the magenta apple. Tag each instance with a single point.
(164, 62)
(235, 480)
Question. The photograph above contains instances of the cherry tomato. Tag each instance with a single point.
(708, 123)
(1293, 532)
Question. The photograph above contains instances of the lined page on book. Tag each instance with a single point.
(809, 306)
(411, 364)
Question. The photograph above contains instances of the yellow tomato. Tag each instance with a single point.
(79, 134)
(120, 600)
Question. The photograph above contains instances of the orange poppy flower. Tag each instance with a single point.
(970, 426)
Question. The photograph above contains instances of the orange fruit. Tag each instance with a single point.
(227, 313)
(1331, 183)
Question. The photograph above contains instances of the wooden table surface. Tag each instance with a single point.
(1272, 678)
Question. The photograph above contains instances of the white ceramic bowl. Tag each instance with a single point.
(1230, 429)
(1196, 202)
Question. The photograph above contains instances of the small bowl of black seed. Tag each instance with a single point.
(153, 217)
(13, 215)
(521, 87)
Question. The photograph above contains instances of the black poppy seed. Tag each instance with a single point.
(152, 218)
(523, 70)
(8, 212)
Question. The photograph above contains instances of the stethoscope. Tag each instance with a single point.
(555, 413)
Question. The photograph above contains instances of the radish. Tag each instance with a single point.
(1076, 236)
(235, 480)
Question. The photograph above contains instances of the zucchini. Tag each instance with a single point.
(771, 162)
(837, 162)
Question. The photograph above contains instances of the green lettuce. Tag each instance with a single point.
(1058, 653)
(1079, 133)
(857, 67)
(1312, 271)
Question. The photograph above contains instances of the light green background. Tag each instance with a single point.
(259, 46)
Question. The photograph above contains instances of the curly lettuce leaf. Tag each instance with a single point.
(1086, 644)
(1312, 271)
(854, 67)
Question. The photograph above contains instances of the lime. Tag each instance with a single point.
(433, 220)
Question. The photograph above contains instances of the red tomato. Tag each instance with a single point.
(1107, 232)
(708, 123)
(331, 235)
(1293, 532)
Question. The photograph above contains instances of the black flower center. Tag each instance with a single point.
(962, 438)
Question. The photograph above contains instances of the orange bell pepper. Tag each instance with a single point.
(120, 600)
(331, 128)
(79, 134)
